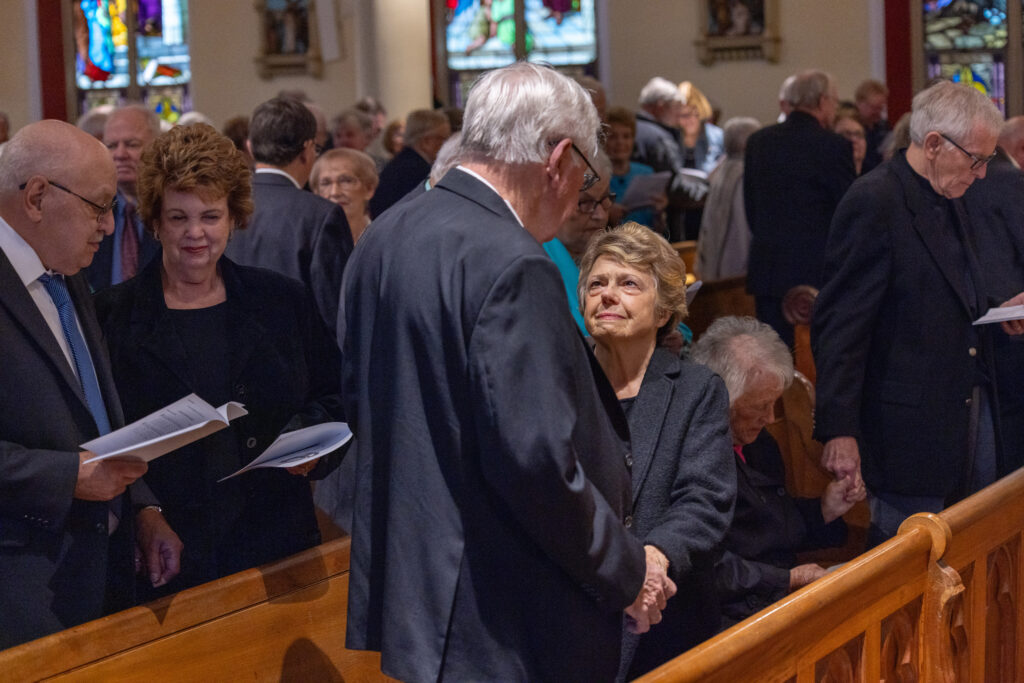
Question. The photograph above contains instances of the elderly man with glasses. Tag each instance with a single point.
(492, 486)
(905, 381)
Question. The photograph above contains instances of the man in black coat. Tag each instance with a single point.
(425, 132)
(905, 381)
(66, 530)
(292, 231)
(795, 173)
(489, 536)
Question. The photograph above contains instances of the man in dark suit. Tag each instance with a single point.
(425, 132)
(905, 382)
(492, 476)
(795, 173)
(121, 255)
(62, 521)
(292, 231)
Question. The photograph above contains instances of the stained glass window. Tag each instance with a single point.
(134, 50)
(966, 43)
(481, 34)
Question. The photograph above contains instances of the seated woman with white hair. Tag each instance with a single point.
(758, 562)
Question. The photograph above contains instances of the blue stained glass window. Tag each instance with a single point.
(966, 42)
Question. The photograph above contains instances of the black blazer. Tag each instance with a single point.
(491, 481)
(401, 175)
(54, 550)
(684, 484)
(282, 366)
(896, 353)
(795, 173)
(298, 234)
(767, 531)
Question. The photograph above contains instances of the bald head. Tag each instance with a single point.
(61, 223)
(1011, 139)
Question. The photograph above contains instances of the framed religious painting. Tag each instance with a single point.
(289, 41)
(738, 29)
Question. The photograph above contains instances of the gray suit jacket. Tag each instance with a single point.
(491, 479)
(53, 549)
(297, 234)
(684, 485)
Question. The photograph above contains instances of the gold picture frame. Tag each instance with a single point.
(289, 39)
(738, 29)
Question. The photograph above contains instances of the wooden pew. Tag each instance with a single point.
(718, 298)
(940, 602)
(284, 621)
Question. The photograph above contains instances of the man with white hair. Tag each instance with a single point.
(492, 493)
(905, 382)
(795, 173)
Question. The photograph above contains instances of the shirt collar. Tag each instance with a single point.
(22, 256)
(493, 189)
(279, 172)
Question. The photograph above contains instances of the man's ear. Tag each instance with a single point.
(559, 162)
(32, 200)
(933, 143)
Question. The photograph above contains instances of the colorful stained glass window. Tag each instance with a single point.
(113, 35)
(966, 42)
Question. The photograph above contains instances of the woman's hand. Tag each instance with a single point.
(303, 469)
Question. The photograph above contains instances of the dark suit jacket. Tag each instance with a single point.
(795, 174)
(995, 205)
(767, 531)
(684, 483)
(402, 174)
(896, 353)
(100, 272)
(53, 548)
(298, 234)
(282, 366)
(491, 482)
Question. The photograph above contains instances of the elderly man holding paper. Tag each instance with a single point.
(194, 322)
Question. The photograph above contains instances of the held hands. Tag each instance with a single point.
(654, 595)
(158, 549)
(841, 457)
(803, 574)
(839, 497)
(1013, 326)
(105, 479)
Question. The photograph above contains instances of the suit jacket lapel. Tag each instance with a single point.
(18, 301)
(157, 334)
(648, 414)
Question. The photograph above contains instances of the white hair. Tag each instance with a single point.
(515, 114)
(808, 87)
(658, 91)
(953, 109)
(738, 348)
(447, 158)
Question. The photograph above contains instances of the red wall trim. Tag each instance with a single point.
(51, 60)
(898, 69)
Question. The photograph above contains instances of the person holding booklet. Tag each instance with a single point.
(194, 322)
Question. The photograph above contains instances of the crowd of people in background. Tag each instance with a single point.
(492, 301)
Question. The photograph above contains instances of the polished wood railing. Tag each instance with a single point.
(283, 622)
(939, 602)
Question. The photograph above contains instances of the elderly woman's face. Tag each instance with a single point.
(589, 217)
(339, 182)
(755, 408)
(621, 303)
(619, 142)
(193, 232)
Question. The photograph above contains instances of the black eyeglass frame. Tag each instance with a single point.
(101, 211)
(976, 161)
(590, 176)
(608, 197)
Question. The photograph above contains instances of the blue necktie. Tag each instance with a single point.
(58, 291)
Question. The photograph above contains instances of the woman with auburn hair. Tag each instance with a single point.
(195, 322)
(632, 292)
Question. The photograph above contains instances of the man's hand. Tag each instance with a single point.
(158, 548)
(105, 479)
(841, 457)
(654, 595)
(839, 497)
(1013, 326)
(803, 574)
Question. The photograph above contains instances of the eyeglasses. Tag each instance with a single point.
(343, 180)
(101, 210)
(588, 205)
(976, 161)
(320, 149)
(590, 176)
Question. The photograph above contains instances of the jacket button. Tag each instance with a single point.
(972, 352)
(101, 528)
(250, 442)
(239, 390)
(629, 460)
(628, 522)
(967, 402)
(780, 491)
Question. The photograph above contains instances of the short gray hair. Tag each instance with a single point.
(736, 131)
(515, 113)
(738, 348)
(658, 91)
(954, 109)
(808, 87)
(420, 122)
(353, 117)
(447, 158)
(152, 120)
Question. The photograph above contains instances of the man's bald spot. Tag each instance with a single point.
(50, 148)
